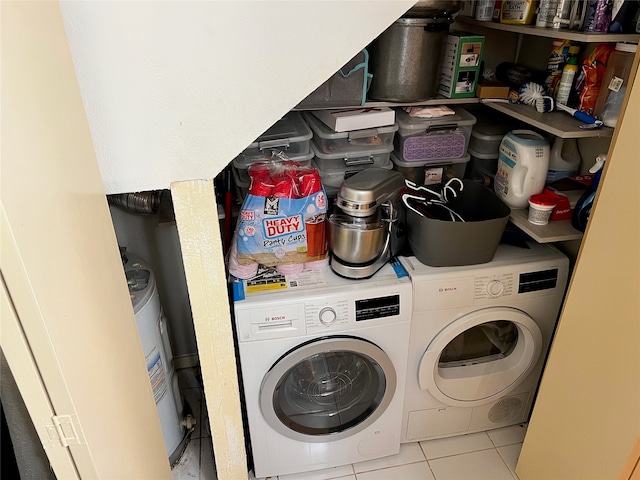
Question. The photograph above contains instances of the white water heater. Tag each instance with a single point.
(152, 328)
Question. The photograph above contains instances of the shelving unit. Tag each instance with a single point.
(552, 32)
(557, 123)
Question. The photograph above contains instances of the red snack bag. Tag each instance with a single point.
(590, 80)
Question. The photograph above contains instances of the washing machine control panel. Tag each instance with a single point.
(320, 314)
(493, 286)
(340, 313)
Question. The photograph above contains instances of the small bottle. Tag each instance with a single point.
(546, 13)
(582, 211)
(484, 10)
(569, 72)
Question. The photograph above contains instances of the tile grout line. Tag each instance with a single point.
(463, 453)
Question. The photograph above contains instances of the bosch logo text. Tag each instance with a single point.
(447, 289)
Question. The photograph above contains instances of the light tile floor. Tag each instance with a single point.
(488, 455)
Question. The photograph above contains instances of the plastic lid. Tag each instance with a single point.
(243, 163)
(365, 152)
(574, 49)
(543, 199)
(290, 127)
(627, 47)
(461, 117)
(483, 156)
(323, 131)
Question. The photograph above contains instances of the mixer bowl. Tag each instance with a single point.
(356, 240)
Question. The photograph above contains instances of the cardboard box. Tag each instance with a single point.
(492, 90)
(348, 119)
(461, 66)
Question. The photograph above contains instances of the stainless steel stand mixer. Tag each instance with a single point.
(364, 232)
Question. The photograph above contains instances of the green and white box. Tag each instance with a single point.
(461, 65)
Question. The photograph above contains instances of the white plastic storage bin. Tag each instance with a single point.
(330, 141)
(372, 157)
(241, 164)
(419, 139)
(488, 132)
(290, 135)
(332, 178)
(429, 172)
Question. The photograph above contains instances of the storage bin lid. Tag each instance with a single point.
(431, 162)
(490, 127)
(289, 129)
(335, 176)
(323, 131)
(482, 156)
(382, 149)
(417, 124)
(242, 162)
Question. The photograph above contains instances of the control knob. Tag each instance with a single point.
(495, 288)
(328, 316)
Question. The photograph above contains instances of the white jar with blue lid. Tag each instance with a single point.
(523, 163)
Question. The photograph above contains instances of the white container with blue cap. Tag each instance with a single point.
(523, 163)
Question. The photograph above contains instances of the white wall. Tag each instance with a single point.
(154, 76)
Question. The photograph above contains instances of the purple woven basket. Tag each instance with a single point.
(439, 146)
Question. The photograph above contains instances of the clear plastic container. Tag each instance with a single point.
(615, 80)
(290, 135)
(429, 172)
(329, 141)
(332, 178)
(442, 138)
(483, 163)
(487, 134)
(360, 158)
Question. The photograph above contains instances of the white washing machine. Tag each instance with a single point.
(479, 340)
(323, 363)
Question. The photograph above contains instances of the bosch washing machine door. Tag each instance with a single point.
(480, 356)
(328, 389)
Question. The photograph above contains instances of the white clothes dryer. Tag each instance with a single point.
(323, 365)
(479, 340)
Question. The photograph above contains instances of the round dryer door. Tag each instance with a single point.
(328, 389)
(480, 356)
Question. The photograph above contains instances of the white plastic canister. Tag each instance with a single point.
(523, 163)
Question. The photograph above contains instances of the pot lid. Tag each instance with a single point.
(426, 8)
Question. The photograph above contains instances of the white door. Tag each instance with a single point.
(328, 389)
(480, 356)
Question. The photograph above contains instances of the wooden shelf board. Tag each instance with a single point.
(439, 100)
(574, 35)
(560, 124)
(554, 231)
